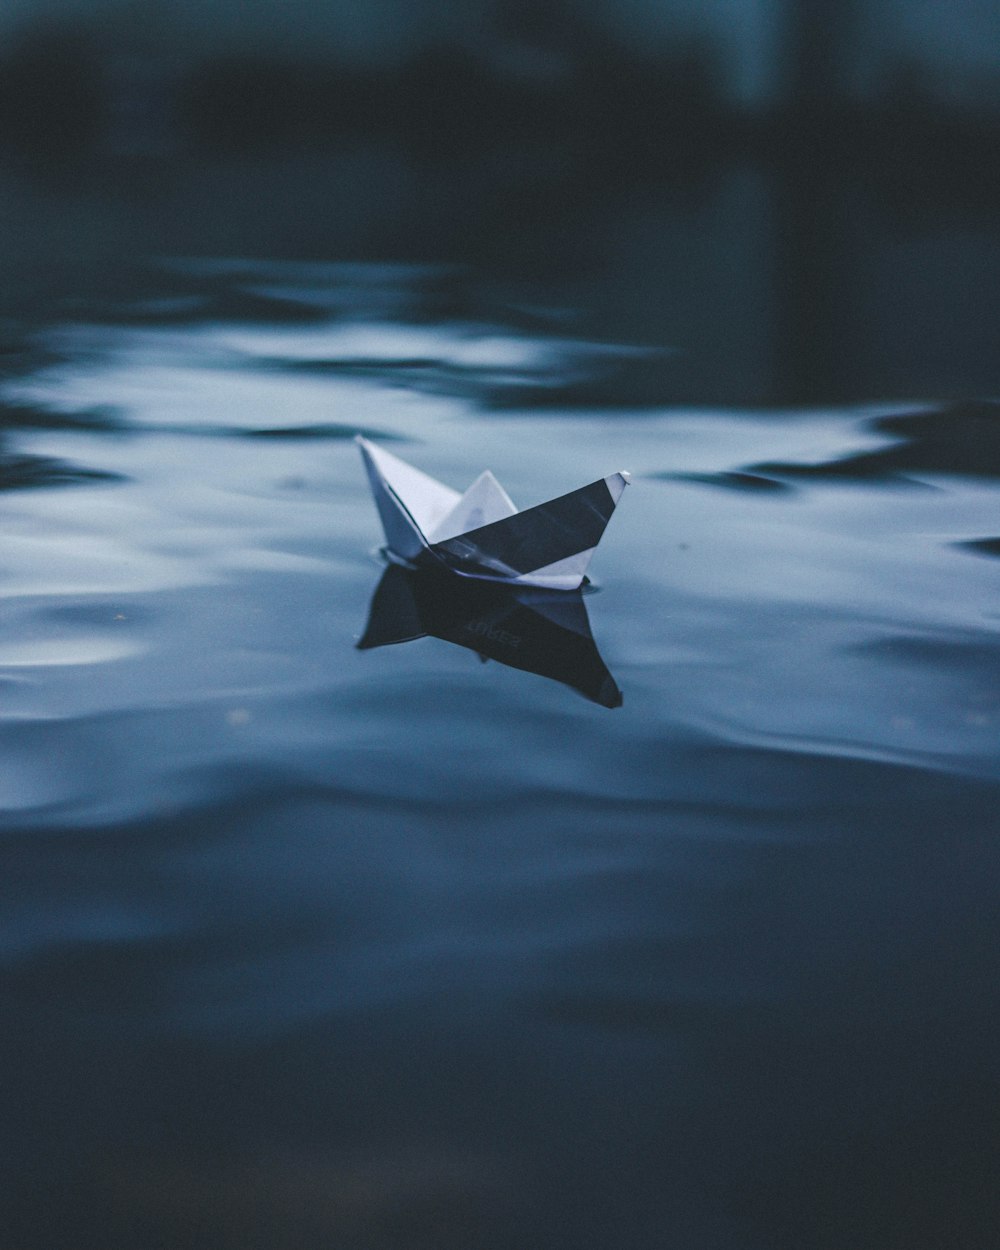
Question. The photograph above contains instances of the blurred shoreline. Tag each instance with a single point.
(560, 74)
(817, 244)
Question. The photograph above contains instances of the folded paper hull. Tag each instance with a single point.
(481, 534)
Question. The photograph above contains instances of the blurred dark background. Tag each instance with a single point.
(789, 202)
(307, 946)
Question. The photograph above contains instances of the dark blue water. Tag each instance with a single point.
(309, 946)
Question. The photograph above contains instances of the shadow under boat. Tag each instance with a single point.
(538, 631)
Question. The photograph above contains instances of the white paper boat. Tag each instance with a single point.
(481, 534)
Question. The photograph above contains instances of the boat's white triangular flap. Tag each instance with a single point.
(565, 574)
(402, 534)
(483, 503)
(426, 499)
(552, 541)
(617, 482)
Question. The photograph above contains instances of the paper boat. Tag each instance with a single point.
(538, 631)
(481, 534)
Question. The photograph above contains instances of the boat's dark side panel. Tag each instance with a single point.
(536, 537)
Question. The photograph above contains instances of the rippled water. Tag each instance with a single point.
(311, 945)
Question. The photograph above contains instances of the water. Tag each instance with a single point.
(311, 945)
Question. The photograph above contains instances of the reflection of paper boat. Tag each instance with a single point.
(481, 534)
(538, 631)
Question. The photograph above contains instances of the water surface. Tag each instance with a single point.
(309, 945)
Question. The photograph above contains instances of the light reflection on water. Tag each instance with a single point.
(302, 941)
